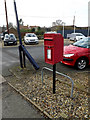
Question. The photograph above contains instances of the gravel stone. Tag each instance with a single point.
(59, 104)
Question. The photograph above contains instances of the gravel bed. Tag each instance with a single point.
(60, 104)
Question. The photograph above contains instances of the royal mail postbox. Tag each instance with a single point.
(53, 48)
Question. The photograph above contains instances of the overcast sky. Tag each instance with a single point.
(44, 12)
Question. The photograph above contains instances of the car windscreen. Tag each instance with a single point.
(83, 43)
(79, 35)
(6, 36)
(11, 36)
(30, 35)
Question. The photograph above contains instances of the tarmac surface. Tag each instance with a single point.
(14, 106)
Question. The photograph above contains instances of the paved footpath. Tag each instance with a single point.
(14, 105)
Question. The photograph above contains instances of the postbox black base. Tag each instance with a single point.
(54, 77)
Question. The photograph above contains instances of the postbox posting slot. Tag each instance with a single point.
(48, 39)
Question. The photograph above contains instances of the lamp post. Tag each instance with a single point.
(63, 23)
(74, 23)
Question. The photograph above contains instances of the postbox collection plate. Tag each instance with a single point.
(49, 54)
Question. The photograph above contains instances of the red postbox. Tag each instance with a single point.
(53, 48)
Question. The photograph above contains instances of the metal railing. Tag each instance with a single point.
(59, 74)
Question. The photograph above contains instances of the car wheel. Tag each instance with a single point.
(15, 43)
(75, 39)
(24, 42)
(81, 63)
(5, 44)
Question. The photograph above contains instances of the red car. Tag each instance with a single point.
(78, 54)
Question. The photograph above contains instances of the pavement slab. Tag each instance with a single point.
(14, 106)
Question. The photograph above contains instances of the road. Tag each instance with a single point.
(10, 56)
(13, 105)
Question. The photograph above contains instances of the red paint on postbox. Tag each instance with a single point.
(53, 48)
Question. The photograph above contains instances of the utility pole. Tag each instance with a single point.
(6, 16)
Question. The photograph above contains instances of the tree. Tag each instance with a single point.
(39, 28)
(33, 30)
(21, 22)
(57, 23)
(10, 24)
